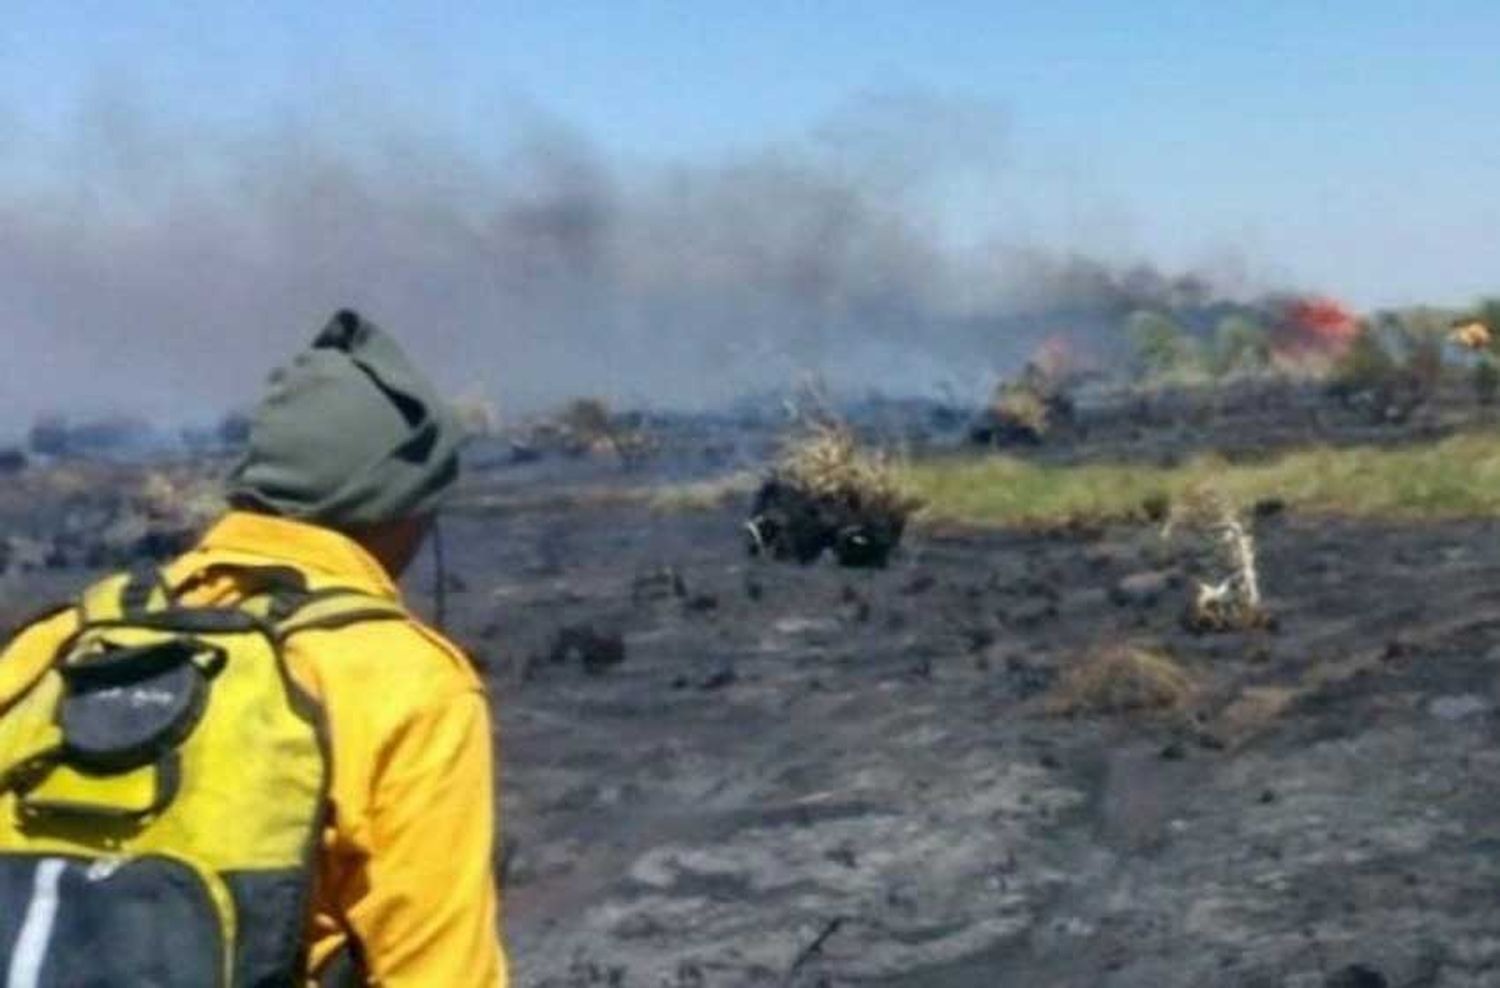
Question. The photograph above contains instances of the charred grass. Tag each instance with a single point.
(1122, 678)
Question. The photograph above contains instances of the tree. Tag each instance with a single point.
(1367, 366)
(1488, 311)
(1240, 344)
(1424, 362)
(1486, 380)
(1162, 348)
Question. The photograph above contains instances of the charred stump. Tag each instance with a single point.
(790, 523)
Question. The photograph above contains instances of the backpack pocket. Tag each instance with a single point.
(123, 708)
(122, 713)
(77, 922)
(125, 798)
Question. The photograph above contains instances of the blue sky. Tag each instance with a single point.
(1351, 146)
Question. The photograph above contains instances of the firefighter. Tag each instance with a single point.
(350, 454)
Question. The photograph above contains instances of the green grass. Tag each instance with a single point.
(1456, 478)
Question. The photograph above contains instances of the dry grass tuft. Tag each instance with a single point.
(825, 462)
(1234, 602)
(590, 426)
(164, 513)
(1122, 678)
(181, 498)
(1028, 409)
(1024, 407)
(1253, 711)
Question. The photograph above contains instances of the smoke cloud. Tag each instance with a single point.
(165, 269)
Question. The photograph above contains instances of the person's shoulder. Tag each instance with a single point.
(404, 660)
(440, 655)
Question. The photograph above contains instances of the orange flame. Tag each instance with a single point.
(1473, 335)
(1315, 327)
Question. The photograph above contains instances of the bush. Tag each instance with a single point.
(588, 419)
(826, 493)
(588, 425)
(1026, 408)
(1370, 377)
(1240, 345)
(1424, 362)
(1162, 348)
(1486, 380)
(1366, 366)
(1025, 411)
(1016, 415)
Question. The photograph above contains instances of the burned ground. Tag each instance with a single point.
(724, 771)
(810, 776)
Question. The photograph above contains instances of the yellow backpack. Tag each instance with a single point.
(162, 792)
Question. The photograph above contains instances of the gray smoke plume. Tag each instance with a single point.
(165, 269)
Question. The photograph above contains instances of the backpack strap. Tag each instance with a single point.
(282, 599)
(335, 608)
(279, 597)
(145, 589)
(274, 593)
(139, 591)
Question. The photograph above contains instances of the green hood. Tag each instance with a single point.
(349, 435)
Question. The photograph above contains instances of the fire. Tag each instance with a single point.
(1315, 327)
(1473, 335)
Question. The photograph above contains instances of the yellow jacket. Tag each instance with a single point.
(405, 879)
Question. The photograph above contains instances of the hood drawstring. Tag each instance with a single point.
(440, 577)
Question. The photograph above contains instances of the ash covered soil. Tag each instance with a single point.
(724, 771)
(820, 777)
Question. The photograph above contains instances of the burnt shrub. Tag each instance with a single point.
(827, 495)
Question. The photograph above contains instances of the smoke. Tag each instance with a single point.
(165, 269)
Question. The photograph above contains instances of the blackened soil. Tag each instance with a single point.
(810, 776)
(721, 771)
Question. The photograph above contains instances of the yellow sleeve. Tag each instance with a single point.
(426, 910)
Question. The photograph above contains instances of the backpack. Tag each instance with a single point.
(163, 787)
